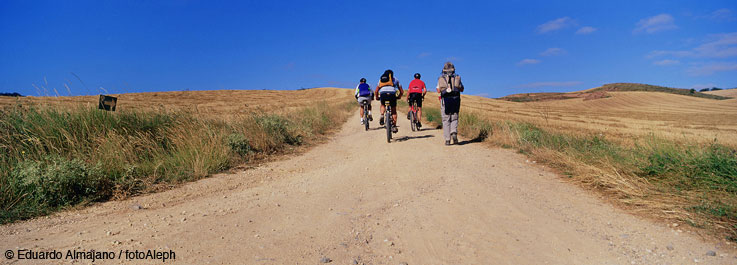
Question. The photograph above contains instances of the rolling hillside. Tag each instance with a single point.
(603, 92)
(212, 102)
(622, 115)
(724, 93)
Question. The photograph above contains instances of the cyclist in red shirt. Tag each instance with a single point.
(417, 91)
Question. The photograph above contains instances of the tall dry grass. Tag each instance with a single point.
(57, 157)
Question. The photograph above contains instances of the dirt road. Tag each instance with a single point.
(357, 199)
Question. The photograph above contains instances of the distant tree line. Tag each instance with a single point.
(710, 89)
(14, 94)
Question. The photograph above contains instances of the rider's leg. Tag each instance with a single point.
(381, 117)
(394, 115)
(409, 107)
(369, 112)
(419, 113)
(363, 119)
(361, 111)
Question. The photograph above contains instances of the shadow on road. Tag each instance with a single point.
(381, 127)
(475, 140)
(405, 138)
(480, 138)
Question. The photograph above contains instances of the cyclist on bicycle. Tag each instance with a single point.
(386, 91)
(363, 92)
(417, 91)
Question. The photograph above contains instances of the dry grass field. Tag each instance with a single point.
(213, 102)
(624, 115)
(662, 155)
(725, 93)
(60, 152)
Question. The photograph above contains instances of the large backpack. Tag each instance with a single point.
(451, 81)
(450, 91)
(386, 80)
(364, 90)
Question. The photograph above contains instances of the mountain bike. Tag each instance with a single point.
(365, 105)
(413, 118)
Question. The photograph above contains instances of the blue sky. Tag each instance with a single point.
(499, 48)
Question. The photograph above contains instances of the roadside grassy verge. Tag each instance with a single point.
(54, 158)
(690, 183)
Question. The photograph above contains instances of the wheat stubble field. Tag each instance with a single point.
(624, 115)
(356, 199)
(725, 93)
(662, 155)
(215, 102)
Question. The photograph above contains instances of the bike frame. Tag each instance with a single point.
(413, 116)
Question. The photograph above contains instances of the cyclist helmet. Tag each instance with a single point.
(417, 75)
(363, 80)
(389, 71)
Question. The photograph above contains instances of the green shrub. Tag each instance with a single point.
(280, 128)
(239, 144)
(55, 181)
(432, 115)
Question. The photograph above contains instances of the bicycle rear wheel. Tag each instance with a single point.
(412, 120)
(388, 125)
(365, 116)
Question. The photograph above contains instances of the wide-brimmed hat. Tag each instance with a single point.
(449, 68)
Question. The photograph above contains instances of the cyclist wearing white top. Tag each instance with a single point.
(386, 91)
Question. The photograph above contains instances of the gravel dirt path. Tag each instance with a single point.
(357, 199)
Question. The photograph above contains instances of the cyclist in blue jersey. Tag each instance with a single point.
(363, 92)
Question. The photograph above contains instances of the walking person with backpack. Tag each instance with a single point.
(450, 88)
(363, 92)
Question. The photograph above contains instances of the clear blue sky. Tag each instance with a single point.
(499, 48)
